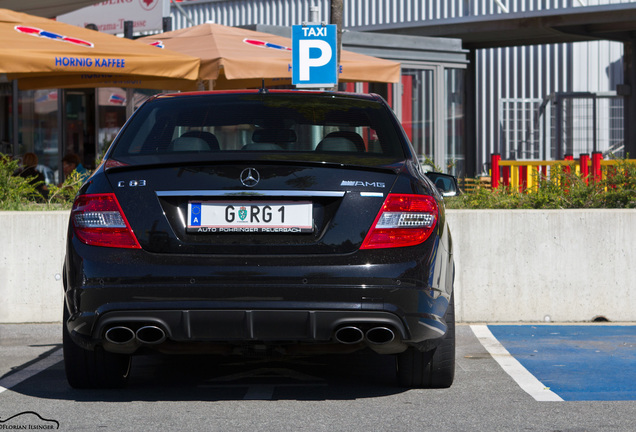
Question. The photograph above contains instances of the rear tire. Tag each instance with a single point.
(93, 369)
(430, 369)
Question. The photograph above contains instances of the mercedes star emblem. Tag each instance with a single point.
(250, 177)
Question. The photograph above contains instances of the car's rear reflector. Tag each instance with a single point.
(112, 163)
(403, 220)
(99, 221)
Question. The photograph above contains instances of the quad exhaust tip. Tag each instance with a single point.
(376, 335)
(349, 335)
(380, 335)
(120, 335)
(151, 335)
(148, 335)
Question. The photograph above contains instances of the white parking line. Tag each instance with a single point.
(26, 373)
(528, 382)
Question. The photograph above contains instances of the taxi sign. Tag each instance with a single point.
(314, 55)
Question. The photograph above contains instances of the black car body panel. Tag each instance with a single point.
(278, 182)
(190, 288)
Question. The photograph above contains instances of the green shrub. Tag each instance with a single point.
(562, 190)
(17, 193)
(63, 196)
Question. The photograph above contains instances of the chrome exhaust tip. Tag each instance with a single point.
(120, 335)
(151, 335)
(349, 335)
(380, 335)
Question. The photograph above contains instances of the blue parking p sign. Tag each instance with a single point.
(314, 55)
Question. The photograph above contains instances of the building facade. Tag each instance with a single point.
(518, 90)
(528, 101)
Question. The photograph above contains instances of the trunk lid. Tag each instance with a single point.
(338, 204)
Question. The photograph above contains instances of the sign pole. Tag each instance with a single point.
(336, 19)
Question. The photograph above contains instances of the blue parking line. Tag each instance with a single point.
(578, 362)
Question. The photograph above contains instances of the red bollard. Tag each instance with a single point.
(567, 169)
(585, 169)
(523, 178)
(543, 172)
(494, 175)
(597, 175)
(505, 173)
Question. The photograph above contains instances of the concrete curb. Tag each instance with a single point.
(31, 258)
(511, 265)
(534, 265)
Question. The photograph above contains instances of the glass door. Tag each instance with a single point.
(79, 125)
(431, 108)
(419, 100)
(454, 114)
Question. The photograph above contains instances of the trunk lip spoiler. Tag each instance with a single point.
(251, 193)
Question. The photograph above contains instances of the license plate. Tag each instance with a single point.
(250, 217)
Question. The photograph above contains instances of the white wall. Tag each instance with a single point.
(524, 265)
(520, 265)
(31, 257)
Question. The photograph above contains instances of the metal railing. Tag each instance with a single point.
(519, 175)
(562, 123)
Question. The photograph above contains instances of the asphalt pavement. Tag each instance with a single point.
(331, 393)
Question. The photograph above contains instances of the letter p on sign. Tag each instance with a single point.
(306, 62)
(314, 56)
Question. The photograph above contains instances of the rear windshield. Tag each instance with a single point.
(300, 126)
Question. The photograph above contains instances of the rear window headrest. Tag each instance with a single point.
(341, 141)
(208, 137)
(189, 144)
(274, 136)
(261, 147)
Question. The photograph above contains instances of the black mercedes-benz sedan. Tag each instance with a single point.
(243, 222)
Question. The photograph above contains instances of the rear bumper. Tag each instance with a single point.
(125, 332)
(241, 300)
(381, 330)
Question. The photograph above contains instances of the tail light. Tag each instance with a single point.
(403, 220)
(112, 163)
(99, 221)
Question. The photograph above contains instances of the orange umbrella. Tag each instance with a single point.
(42, 53)
(239, 58)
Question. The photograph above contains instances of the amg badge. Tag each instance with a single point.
(362, 183)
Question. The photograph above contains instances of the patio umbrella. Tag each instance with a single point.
(238, 58)
(42, 53)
